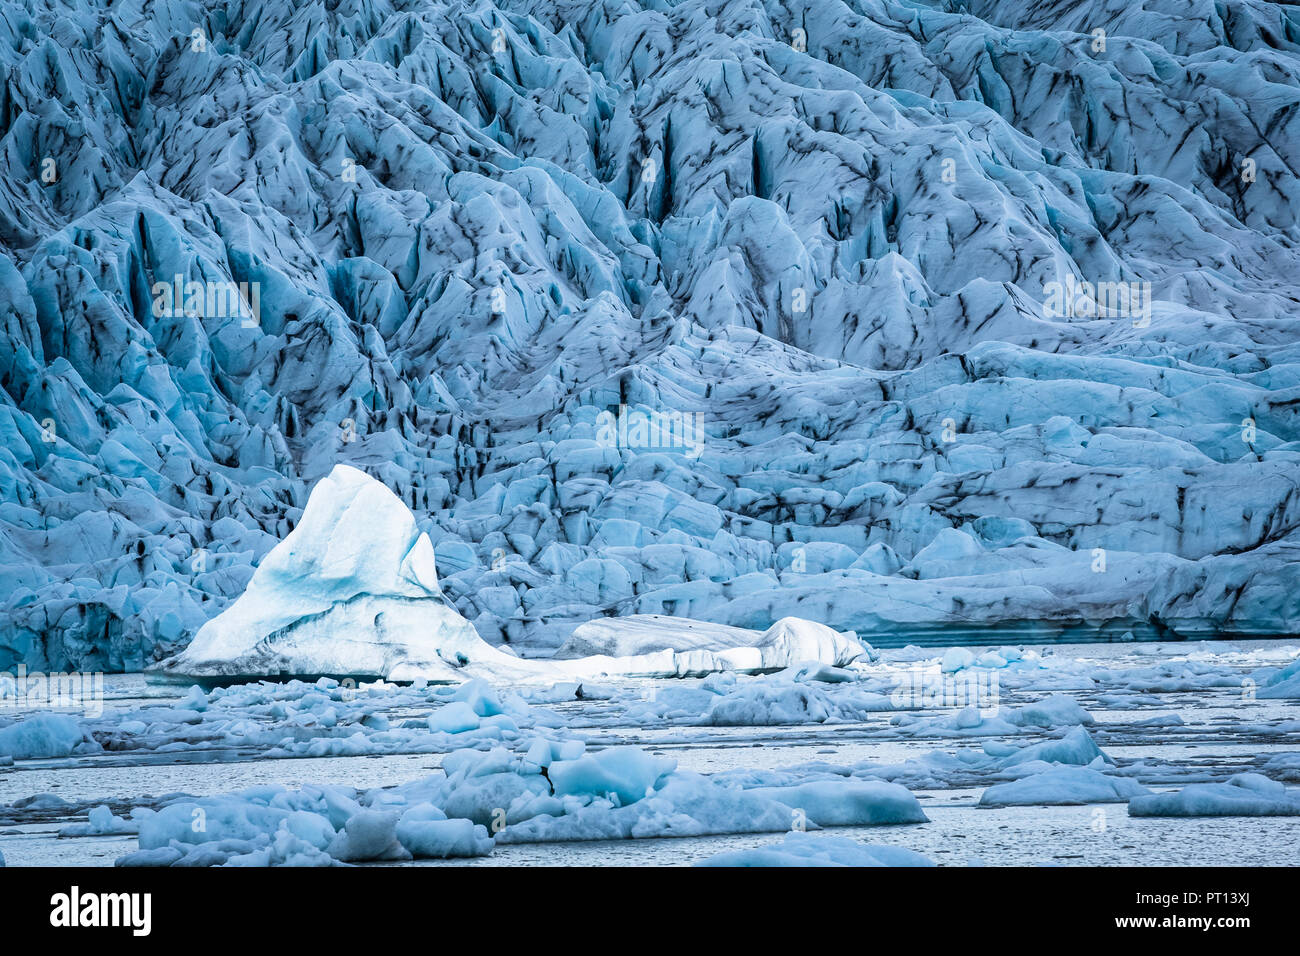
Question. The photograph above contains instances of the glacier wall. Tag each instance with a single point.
(929, 320)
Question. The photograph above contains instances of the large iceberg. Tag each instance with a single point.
(352, 591)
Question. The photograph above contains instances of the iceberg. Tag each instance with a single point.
(1244, 795)
(838, 803)
(647, 633)
(45, 735)
(101, 821)
(1062, 786)
(1281, 684)
(352, 592)
(701, 647)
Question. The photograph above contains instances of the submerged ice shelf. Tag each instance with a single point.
(725, 311)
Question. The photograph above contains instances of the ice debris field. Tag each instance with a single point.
(1130, 753)
(822, 432)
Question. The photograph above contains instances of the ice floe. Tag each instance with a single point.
(553, 791)
(1244, 795)
(803, 849)
(1062, 786)
(45, 735)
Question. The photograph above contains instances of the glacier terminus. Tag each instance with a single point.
(820, 432)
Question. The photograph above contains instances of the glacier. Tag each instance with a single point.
(936, 322)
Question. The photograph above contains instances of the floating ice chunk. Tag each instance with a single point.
(454, 718)
(786, 697)
(1056, 710)
(1062, 786)
(351, 591)
(426, 833)
(705, 647)
(206, 821)
(955, 659)
(804, 849)
(792, 640)
(194, 700)
(369, 835)
(279, 849)
(101, 821)
(41, 801)
(484, 701)
(44, 735)
(1262, 785)
(967, 722)
(1244, 795)
(1076, 747)
(688, 804)
(626, 772)
(770, 703)
(849, 803)
(157, 857)
(1282, 684)
(823, 673)
(1160, 720)
(311, 828)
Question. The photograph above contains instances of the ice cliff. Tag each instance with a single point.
(931, 321)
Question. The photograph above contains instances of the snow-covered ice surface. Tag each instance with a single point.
(727, 310)
(1029, 758)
